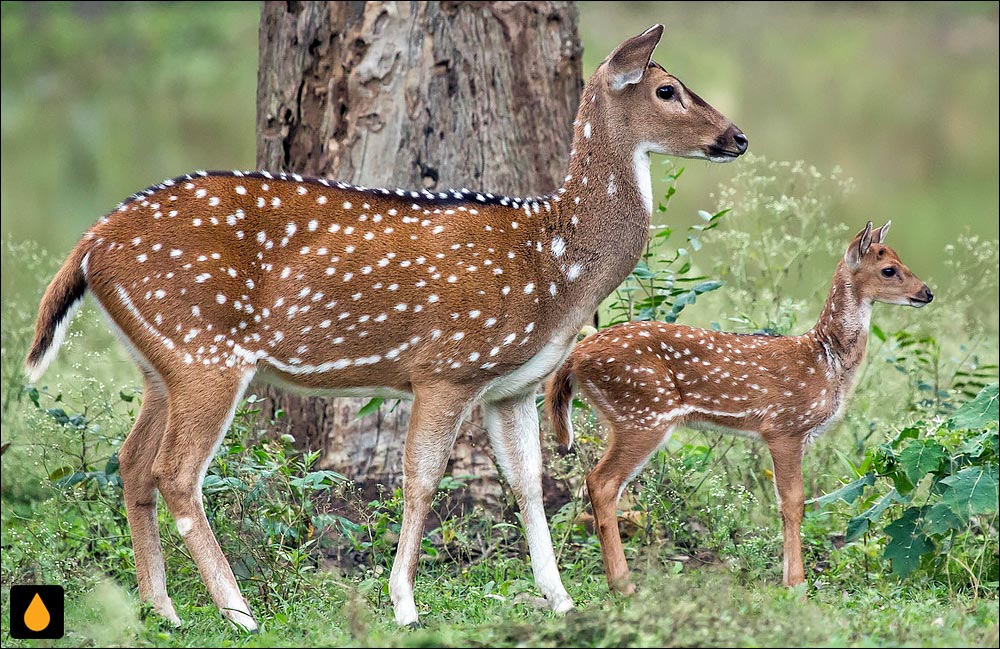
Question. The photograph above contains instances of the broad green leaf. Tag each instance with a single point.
(60, 473)
(940, 519)
(370, 407)
(981, 412)
(642, 271)
(71, 479)
(848, 493)
(705, 287)
(974, 446)
(971, 491)
(685, 299)
(919, 458)
(111, 466)
(908, 543)
(901, 481)
(910, 432)
(863, 522)
(317, 480)
(59, 415)
(215, 483)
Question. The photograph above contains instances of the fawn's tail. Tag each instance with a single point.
(559, 403)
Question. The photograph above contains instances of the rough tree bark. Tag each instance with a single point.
(415, 95)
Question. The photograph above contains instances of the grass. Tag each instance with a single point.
(477, 605)
(706, 607)
(706, 549)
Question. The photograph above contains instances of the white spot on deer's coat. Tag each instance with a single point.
(558, 246)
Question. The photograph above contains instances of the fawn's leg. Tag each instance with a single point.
(787, 457)
(200, 414)
(630, 447)
(434, 420)
(513, 428)
(136, 467)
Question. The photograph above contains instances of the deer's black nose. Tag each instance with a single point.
(741, 141)
(926, 294)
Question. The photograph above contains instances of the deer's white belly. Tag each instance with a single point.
(529, 375)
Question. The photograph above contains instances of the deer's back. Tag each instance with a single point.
(327, 286)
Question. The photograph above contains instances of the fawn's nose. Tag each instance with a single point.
(926, 294)
(741, 141)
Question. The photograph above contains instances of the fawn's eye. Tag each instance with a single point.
(666, 93)
(889, 272)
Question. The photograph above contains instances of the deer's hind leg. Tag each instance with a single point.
(200, 412)
(136, 467)
(636, 433)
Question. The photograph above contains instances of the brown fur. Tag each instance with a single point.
(646, 378)
(453, 298)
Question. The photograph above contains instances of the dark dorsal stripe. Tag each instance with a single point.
(424, 197)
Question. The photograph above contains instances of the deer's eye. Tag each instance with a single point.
(889, 272)
(666, 93)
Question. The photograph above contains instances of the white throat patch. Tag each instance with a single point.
(643, 180)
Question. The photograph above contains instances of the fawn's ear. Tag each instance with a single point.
(878, 236)
(859, 247)
(629, 61)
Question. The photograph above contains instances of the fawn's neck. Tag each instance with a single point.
(842, 329)
(604, 205)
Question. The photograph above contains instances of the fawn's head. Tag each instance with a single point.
(879, 274)
(653, 110)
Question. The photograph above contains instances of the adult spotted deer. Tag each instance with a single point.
(217, 278)
(647, 378)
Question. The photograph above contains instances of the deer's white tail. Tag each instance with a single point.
(60, 303)
(559, 404)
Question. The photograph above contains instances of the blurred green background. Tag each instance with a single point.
(102, 99)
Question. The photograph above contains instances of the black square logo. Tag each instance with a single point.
(36, 612)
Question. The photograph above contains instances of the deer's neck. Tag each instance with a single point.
(842, 329)
(604, 205)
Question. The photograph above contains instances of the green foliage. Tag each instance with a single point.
(268, 496)
(313, 556)
(944, 485)
(664, 281)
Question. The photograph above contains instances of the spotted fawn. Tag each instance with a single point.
(215, 279)
(647, 378)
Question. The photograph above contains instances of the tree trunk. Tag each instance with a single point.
(432, 95)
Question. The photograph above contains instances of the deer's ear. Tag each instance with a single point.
(879, 234)
(629, 61)
(859, 247)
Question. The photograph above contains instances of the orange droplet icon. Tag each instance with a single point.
(36, 617)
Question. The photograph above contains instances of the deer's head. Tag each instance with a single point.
(878, 272)
(656, 112)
